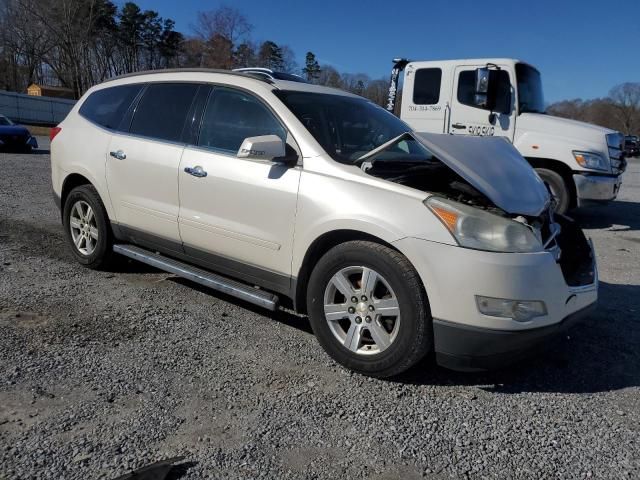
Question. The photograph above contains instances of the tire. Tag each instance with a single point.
(98, 252)
(557, 187)
(409, 335)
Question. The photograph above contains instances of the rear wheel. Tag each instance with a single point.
(87, 228)
(368, 309)
(557, 187)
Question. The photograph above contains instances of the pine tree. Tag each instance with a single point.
(270, 56)
(312, 67)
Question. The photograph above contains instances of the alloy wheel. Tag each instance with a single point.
(84, 230)
(362, 310)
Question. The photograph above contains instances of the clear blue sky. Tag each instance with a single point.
(582, 47)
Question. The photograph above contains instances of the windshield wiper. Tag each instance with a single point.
(382, 147)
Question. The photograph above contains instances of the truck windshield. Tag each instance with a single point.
(346, 127)
(530, 98)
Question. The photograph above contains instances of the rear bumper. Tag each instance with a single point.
(596, 188)
(467, 348)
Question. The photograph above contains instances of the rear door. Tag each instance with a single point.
(237, 215)
(468, 119)
(143, 162)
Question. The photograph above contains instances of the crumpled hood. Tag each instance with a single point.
(494, 167)
(13, 130)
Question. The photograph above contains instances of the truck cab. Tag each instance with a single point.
(580, 163)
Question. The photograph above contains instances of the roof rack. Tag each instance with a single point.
(270, 74)
(239, 73)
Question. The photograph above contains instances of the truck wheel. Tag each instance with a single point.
(369, 310)
(86, 227)
(558, 188)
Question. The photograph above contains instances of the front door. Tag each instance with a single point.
(468, 119)
(237, 215)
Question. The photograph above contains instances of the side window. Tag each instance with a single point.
(162, 110)
(500, 78)
(108, 106)
(426, 86)
(231, 116)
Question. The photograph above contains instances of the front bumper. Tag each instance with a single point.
(470, 349)
(596, 188)
(453, 276)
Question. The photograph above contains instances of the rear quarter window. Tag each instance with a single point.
(107, 106)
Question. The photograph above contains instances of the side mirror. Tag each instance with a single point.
(264, 147)
(485, 91)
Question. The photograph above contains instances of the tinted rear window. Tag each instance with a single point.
(426, 86)
(108, 106)
(162, 110)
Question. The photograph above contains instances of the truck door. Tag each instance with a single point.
(425, 105)
(469, 119)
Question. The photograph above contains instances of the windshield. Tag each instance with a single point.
(530, 98)
(346, 127)
(5, 121)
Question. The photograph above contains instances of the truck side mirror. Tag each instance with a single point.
(485, 94)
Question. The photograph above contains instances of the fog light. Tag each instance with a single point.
(518, 310)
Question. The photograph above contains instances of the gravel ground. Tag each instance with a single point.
(102, 372)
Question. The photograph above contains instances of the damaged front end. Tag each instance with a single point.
(487, 196)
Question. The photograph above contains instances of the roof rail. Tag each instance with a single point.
(263, 78)
(271, 74)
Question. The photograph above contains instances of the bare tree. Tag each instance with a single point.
(329, 77)
(626, 100)
(226, 21)
(24, 41)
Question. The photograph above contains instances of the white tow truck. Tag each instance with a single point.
(581, 163)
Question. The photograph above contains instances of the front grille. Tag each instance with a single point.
(616, 143)
(618, 162)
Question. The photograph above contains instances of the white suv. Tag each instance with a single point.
(395, 243)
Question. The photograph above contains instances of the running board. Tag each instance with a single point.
(203, 277)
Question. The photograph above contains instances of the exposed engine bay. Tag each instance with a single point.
(433, 176)
(560, 235)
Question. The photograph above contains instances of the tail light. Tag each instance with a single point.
(53, 132)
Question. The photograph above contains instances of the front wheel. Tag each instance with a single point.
(368, 309)
(557, 187)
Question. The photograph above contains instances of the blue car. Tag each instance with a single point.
(15, 137)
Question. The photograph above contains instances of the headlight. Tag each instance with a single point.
(518, 310)
(594, 161)
(475, 228)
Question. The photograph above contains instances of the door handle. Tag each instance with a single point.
(196, 171)
(119, 154)
(458, 125)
